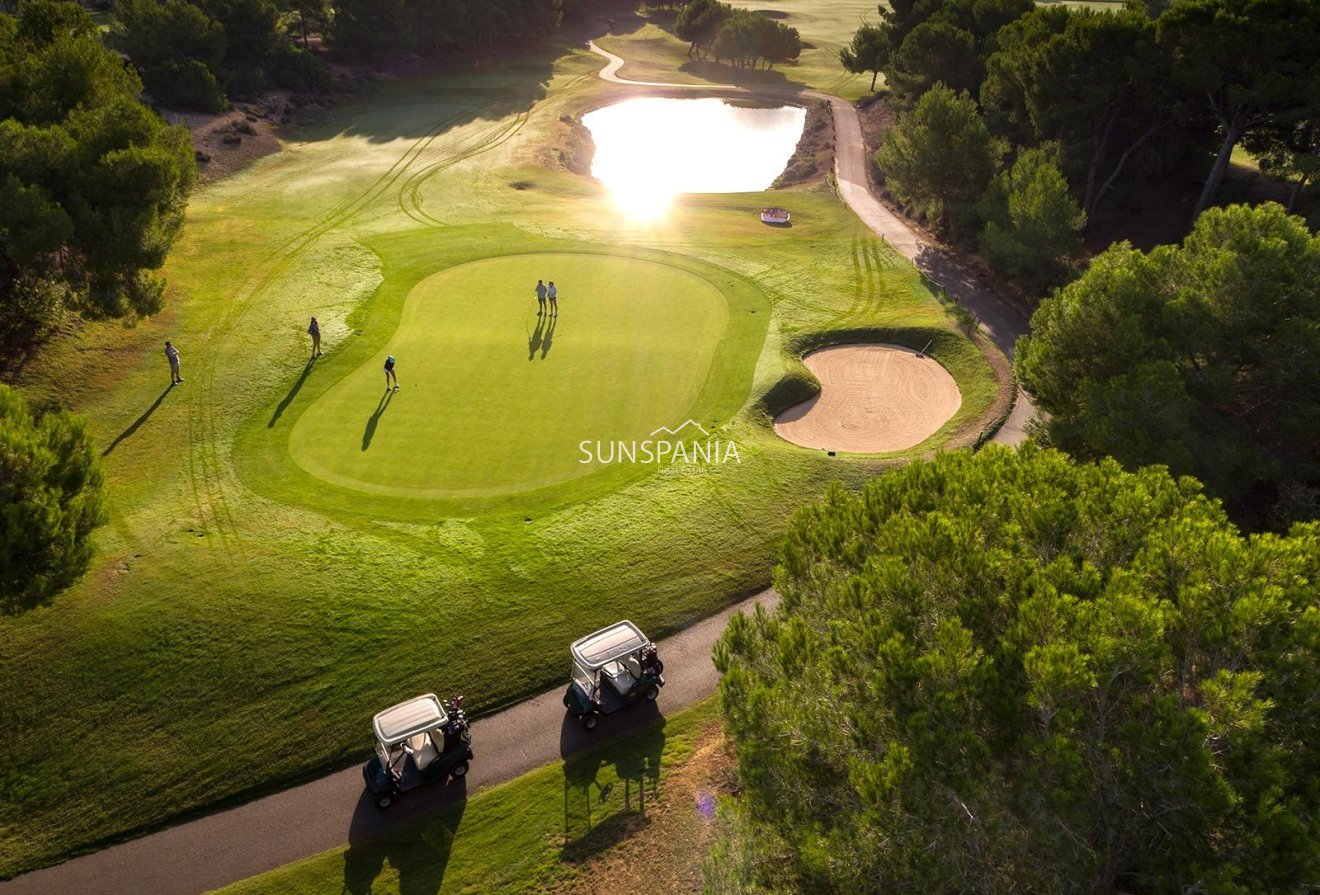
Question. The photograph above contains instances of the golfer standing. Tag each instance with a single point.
(540, 297)
(389, 374)
(172, 354)
(314, 330)
(553, 294)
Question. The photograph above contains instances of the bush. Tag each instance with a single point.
(185, 85)
(51, 498)
(297, 69)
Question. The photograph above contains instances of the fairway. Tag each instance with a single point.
(282, 539)
(496, 399)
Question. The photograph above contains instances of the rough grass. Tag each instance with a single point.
(535, 833)
(238, 603)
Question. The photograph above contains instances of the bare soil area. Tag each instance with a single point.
(814, 156)
(663, 852)
(230, 141)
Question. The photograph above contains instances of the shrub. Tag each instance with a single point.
(51, 498)
(299, 70)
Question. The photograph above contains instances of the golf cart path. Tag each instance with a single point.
(228, 846)
(999, 320)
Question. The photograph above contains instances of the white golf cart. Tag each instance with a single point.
(611, 669)
(417, 741)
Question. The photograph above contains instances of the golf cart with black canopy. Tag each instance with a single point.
(417, 741)
(611, 669)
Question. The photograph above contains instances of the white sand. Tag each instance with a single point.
(873, 399)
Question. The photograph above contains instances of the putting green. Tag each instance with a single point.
(494, 399)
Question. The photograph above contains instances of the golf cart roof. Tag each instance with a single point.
(397, 723)
(608, 644)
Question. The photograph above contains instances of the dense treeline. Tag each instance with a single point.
(197, 54)
(1202, 357)
(370, 28)
(93, 184)
(745, 39)
(1010, 672)
(1112, 99)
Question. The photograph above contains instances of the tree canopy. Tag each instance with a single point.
(92, 183)
(51, 498)
(930, 41)
(1203, 357)
(1094, 84)
(940, 157)
(371, 28)
(1033, 225)
(743, 38)
(1246, 63)
(1010, 672)
(868, 52)
(195, 54)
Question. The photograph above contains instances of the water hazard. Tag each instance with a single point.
(650, 150)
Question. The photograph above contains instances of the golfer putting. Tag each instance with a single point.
(390, 374)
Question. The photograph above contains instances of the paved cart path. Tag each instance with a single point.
(234, 844)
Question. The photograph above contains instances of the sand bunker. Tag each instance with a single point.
(873, 399)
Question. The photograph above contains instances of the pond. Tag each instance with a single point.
(650, 150)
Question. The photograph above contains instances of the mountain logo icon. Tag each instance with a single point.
(690, 423)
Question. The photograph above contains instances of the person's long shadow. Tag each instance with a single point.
(293, 392)
(370, 432)
(549, 337)
(418, 847)
(534, 340)
(137, 423)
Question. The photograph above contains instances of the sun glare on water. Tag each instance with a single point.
(648, 151)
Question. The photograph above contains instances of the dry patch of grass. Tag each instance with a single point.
(662, 851)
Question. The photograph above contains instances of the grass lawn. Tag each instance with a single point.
(497, 399)
(538, 833)
(826, 26)
(241, 599)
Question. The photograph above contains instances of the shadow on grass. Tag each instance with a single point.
(293, 393)
(137, 423)
(549, 336)
(374, 420)
(534, 340)
(415, 838)
(465, 88)
(721, 73)
(604, 804)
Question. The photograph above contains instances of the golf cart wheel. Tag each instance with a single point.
(659, 668)
(384, 802)
(652, 692)
(590, 720)
(459, 770)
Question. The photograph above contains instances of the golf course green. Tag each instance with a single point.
(496, 397)
(278, 567)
